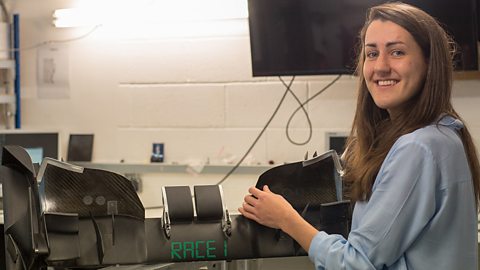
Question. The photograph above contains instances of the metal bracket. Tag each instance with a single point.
(226, 221)
(166, 218)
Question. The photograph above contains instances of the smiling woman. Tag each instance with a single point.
(410, 164)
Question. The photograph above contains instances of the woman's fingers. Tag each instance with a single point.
(255, 192)
(263, 206)
(249, 208)
(246, 212)
(251, 200)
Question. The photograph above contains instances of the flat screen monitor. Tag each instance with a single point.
(336, 141)
(37, 144)
(315, 37)
(80, 147)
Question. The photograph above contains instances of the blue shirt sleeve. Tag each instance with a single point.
(401, 205)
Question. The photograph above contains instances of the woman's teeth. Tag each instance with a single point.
(387, 82)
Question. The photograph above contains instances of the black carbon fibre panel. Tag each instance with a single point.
(94, 191)
(312, 185)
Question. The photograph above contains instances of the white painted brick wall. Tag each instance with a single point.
(195, 95)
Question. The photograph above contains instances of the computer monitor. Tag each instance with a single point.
(37, 144)
(336, 141)
(80, 147)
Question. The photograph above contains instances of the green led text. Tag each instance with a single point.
(196, 250)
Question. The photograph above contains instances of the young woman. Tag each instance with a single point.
(410, 163)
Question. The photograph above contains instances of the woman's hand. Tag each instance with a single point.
(272, 210)
(267, 208)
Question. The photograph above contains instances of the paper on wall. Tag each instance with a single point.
(53, 72)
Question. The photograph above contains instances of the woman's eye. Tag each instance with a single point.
(398, 53)
(371, 54)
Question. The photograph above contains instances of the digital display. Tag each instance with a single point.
(198, 250)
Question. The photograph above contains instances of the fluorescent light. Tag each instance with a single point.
(148, 12)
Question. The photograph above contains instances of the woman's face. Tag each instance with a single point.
(394, 67)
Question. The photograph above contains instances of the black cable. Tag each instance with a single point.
(322, 90)
(291, 117)
(260, 134)
(68, 40)
(302, 104)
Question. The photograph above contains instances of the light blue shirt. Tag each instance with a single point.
(421, 214)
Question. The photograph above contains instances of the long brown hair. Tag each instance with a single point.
(373, 133)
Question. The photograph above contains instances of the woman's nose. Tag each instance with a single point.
(382, 64)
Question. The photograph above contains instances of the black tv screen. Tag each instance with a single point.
(37, 144)
(315, 37)
(80, 147)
